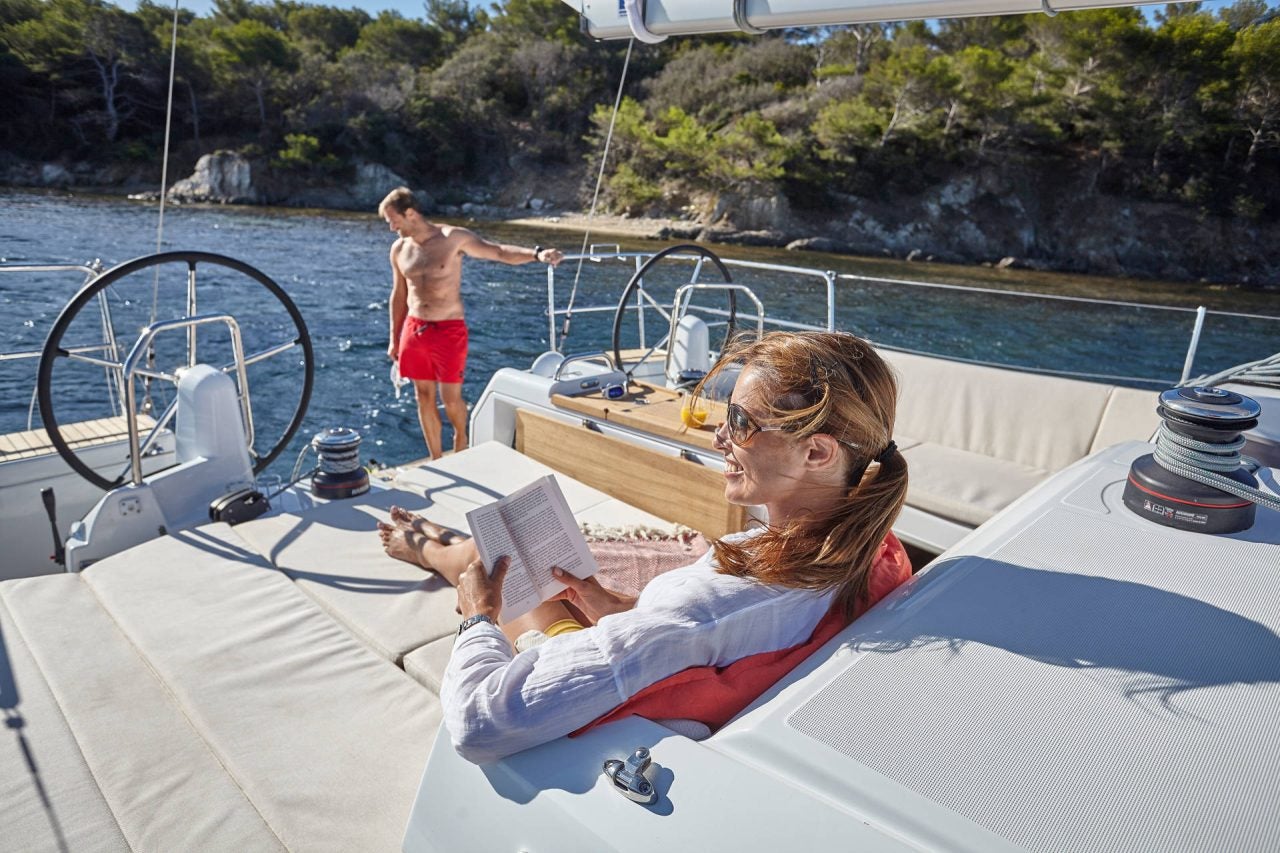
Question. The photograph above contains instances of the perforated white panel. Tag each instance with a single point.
(1128, 698)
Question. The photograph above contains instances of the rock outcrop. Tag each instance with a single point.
(224, 177)
(227, 177)
(1017, 216)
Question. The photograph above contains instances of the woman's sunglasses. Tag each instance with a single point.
(742, 427)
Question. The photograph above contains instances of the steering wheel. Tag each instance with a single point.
(54, 350)
(639, 276)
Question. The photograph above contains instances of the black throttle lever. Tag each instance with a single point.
(59, 553)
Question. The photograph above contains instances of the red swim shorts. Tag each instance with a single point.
(433, 349)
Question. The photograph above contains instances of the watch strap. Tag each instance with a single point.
(474, 620)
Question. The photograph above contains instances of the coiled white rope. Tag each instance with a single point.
(1264, 371)
(1201, 462)
(340, 460)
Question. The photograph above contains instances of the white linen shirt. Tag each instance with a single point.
(497, 703)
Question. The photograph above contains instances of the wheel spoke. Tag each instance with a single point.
(152, 437)
(262, 355)
(653, 303)
(155, 374)
(82, 354)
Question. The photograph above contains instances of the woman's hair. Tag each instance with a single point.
(401, 200)
(833, 383)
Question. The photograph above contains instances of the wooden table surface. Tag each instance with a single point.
(649, 409)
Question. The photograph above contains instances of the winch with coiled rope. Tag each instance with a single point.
(1196, 479)
(339, 473)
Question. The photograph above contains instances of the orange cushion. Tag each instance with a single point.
(713, 695)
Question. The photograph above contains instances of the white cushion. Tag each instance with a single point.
(76, 816)
(1130, 415)
(1040, 422)
(154, 769)
(327, 739)
(486, 472)
(616, 513)
(427, 664)
(963, 486)
(333, 553)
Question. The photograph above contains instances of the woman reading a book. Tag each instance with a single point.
(808, 436)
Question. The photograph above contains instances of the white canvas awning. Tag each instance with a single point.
(653, 20)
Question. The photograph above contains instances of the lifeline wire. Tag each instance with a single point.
(604, 159)
(1200, 461)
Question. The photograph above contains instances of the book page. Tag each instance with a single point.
(547, 535)
(493, 540)
(533, 526)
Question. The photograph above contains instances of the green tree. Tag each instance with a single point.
(551, 20)
(851, 50)
(1185, 67)
(717, 82)
(456, 20)
(749, 154)
(1256, 54)
(253, 57)
(393, 38)
(304, 153)
(325, 29)
(88, 42)
(1243, 13)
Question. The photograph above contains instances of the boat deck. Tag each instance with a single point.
(35, 442)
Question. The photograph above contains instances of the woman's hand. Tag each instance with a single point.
(480, 592)
(590, 597)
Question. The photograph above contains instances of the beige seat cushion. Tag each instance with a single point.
(134, 741)
(486, 472)
(49, 800)
(428, 663)
(1038, 422)
(963, 486)
(333, 553)
(1130, 415)
(327, 739)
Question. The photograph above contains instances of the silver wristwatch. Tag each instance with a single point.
(474, 620)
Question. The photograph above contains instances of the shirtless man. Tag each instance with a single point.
(428, 332)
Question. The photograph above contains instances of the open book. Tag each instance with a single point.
(532, 526)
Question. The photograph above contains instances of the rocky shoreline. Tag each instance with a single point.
(1008, 218)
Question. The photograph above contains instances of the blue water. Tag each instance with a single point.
(334, 267)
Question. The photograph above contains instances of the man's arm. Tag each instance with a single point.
(474, 246)
(398, 303)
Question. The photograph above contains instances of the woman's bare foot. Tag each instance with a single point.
(403, 544)
(407, 520)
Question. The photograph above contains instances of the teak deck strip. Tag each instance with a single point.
(648, 409)
(667, 486)
(35, 442)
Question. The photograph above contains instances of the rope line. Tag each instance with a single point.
(1201, 462)
(1264, 371)
(164, 163)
